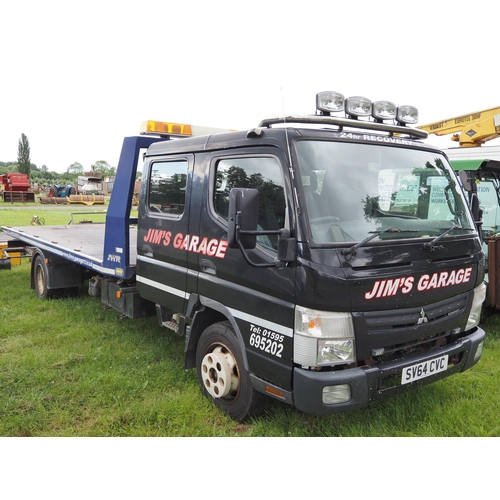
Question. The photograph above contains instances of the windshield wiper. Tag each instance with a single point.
(399, 216)
(352, 250)
(431, 245)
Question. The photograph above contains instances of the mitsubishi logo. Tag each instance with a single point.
(423, 318)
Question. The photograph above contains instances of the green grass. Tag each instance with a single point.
(13, 218)
(21, 215)
(70, 368)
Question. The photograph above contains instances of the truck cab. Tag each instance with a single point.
(323, 261)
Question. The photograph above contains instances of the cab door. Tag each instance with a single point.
(259, 299)
(163, 228)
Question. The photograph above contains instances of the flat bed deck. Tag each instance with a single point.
(80, 243)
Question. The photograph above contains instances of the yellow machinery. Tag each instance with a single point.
(84, 199)
(10, 255)
(473, 129)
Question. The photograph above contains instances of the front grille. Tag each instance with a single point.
(389, 334)
(419, 345)
(405, 318)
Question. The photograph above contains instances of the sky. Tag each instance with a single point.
(78, 77)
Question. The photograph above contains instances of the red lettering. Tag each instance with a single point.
(433, 282)
(391, 287)
(166, 241)
(388, 288)
(194, 243)
(148, 236)
(381, 288)
(408, 284)
(190, 243)
(203, 246)
(467, 274)
(442, 279)
(221, 249)
(157, 236)
(423, 282)
(371, 294)
(212, 247)
(179, 237)
(451, 279)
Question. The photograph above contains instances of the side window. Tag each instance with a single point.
(167, 187)
(261, 173)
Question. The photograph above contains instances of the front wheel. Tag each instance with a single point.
(222, 375)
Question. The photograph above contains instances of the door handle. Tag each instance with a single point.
(207, 266)
(147, 250)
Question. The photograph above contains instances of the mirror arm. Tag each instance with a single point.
(242, 248)
(286, 244)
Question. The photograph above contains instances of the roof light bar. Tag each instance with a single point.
(169, 129)
(357, 106)
(165, 128)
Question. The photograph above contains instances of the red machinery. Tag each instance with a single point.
(16, 187)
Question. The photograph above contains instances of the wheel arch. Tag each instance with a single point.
(60, 273)
(205, 312)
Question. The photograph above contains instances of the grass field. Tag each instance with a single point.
(70, 368)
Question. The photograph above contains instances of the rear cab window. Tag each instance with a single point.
(167, 187)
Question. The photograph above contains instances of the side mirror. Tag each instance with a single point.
(475, 208)
(242, 228)
(464, 178)
(243, 214)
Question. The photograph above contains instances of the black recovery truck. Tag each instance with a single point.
(326, 261)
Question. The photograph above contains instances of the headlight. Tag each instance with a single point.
(323, 338)
(477, 304)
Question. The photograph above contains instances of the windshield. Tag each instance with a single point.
(353, 191)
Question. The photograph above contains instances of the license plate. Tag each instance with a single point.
(424, 369)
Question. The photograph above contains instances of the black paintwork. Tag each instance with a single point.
(321, 278)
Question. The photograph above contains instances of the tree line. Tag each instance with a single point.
(42, 175)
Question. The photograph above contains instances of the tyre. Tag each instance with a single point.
(222, 375)
(40, 278)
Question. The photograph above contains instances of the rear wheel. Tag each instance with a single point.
(40, 278)
(222, 375)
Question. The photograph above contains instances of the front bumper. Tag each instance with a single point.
(372, 383)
